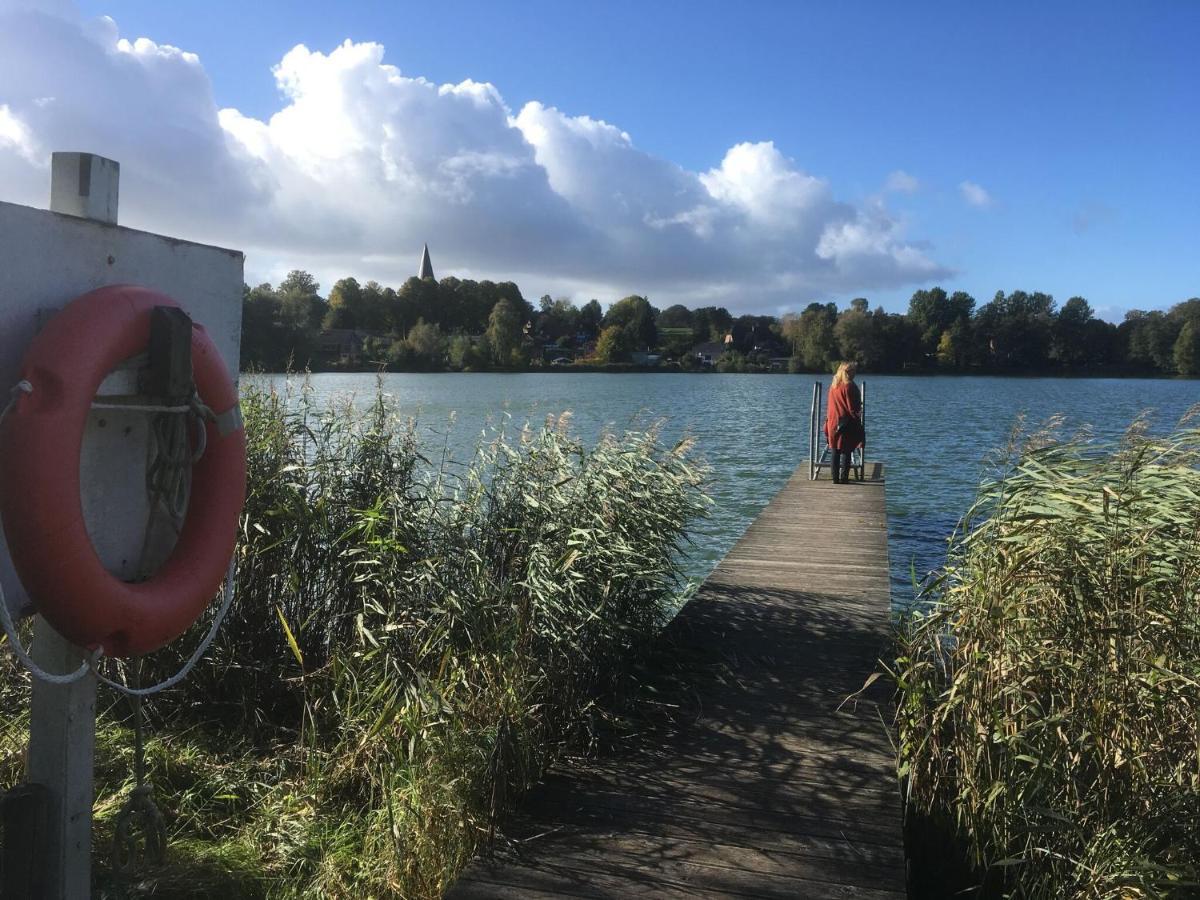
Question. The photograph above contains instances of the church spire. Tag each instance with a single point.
(426, 270)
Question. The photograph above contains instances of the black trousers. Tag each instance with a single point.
(841, 466)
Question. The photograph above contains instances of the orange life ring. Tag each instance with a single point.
(39, 481)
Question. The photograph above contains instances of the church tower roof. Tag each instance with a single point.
(426, 270)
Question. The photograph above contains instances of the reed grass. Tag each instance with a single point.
(413, 642)
(1049, 696)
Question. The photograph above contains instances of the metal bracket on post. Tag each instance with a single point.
(168, 377)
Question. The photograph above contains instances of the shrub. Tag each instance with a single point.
(1049, 712)
(410, 646)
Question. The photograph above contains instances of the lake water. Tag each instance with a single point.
(933, 433)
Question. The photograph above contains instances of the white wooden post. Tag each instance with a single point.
(46, 260)
(85, 185)
(62, 718)
(62, 738)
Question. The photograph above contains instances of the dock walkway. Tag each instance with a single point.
(761, 780)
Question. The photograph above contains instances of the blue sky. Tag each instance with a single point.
(1075, 128)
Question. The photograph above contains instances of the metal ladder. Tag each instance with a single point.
(818, 458)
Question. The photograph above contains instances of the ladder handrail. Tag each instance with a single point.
(813, 422)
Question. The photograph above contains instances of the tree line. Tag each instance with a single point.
(1017, 332)
(464, 324)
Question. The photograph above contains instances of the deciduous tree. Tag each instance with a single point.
(504, 331)
(428, 344)
(591, 315)
(856, 337)
(345, 305)
(675, 316)
(557, 318)
(613, 345)
(1187, 349)
(635, 316)
(818, 344)
(711, 323)
(300, 303)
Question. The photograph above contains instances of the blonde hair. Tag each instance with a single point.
(845, 372)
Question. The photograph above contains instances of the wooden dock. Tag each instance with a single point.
(761, 779)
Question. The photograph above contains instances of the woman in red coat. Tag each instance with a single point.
(843, 421)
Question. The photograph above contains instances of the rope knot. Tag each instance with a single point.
(140, 838)
(200, 409)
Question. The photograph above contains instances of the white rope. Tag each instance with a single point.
(91, 663)
(201, 439)
(192, 660)
(14, 641)
(195, 407)
(141, 407)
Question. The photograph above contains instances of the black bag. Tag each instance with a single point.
(851, 428)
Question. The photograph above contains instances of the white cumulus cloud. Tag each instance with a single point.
(14, 134)
(362, 163)
(975, 195)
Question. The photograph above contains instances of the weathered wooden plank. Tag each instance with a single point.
(750, 870)
(634, 810)
(716, 829)
(755, 776)
(798, 797)
(614, 876)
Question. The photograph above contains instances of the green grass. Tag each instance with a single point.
(1049, 711)
(412, 644)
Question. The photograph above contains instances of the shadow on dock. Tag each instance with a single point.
(750, 771)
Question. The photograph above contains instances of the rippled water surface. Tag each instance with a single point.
(932, 433)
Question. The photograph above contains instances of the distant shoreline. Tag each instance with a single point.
(619, 369)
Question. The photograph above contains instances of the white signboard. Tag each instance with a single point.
(46, 260)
